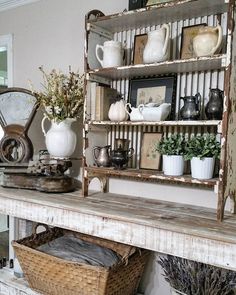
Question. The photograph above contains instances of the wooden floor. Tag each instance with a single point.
(182, 230)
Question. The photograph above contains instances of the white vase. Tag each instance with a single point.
(60, 139)
(173, 165)
(202, 169)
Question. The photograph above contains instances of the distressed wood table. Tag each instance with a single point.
(187, 231)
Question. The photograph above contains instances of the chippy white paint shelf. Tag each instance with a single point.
(187, 231)
(10, 285)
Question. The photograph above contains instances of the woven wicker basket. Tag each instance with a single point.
(54, 276)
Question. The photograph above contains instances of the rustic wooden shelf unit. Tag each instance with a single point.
(193, 75)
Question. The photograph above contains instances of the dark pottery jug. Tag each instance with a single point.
(191, 107)
(120, 158)
(214, 107)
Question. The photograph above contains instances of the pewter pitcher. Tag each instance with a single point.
(191, 108)
(101, 156)
(214, 108)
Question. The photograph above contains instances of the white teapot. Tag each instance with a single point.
(157, 47)
(117, 111)
(112, 54)
(208, 41)
(135, 113)
(155, 114)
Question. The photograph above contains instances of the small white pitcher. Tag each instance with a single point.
(60, 139)
(134, 113)
(157, 47)
(112, 54)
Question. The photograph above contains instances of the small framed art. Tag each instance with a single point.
(149, 157)
(140, 42)
(136, 4)
(155, 90)
(188, 33)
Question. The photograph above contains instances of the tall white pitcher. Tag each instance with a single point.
(157, 47)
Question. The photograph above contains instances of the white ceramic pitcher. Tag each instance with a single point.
(208, 41)
(134, 113)
(60, 139)
(112, 54)
(157, 47)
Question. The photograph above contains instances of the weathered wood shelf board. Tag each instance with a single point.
(216, 62)
(10, 285)
(181, 230)
(149, 175)
(160, 123)
(162, 13)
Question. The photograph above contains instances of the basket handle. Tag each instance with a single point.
(130, 252)
(47, 228)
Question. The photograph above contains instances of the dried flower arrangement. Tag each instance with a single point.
(195, 278)
(62, 96)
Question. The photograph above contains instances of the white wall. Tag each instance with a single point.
(51, 33)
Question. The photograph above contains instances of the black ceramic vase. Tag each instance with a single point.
(214, 108)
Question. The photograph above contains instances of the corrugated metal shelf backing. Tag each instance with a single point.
(159, 14)
(200, 64)
(149, 175)
(160, 123)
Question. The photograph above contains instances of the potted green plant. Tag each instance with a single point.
(172, 149)
(188, 277)
(202, 150)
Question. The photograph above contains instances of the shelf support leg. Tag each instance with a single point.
(104, 184)
(85, 185)
(233, 204)
(221, 208)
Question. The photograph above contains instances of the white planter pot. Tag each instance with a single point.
(173, 165)
(60, 139)
(202, 169)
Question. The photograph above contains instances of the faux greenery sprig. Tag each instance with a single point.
(173, 145)
(202, 146)
(194, 278)
(62, 96)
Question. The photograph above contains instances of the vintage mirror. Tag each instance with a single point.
(17, 109)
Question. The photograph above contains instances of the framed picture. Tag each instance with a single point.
(149, 157)
(154, 90)
(140, 42)
(188, 33)
(153, 2)
(136, 4)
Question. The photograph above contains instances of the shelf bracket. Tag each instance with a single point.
(100, 31)
(216, 187)
(95, 78)
(219, 128)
